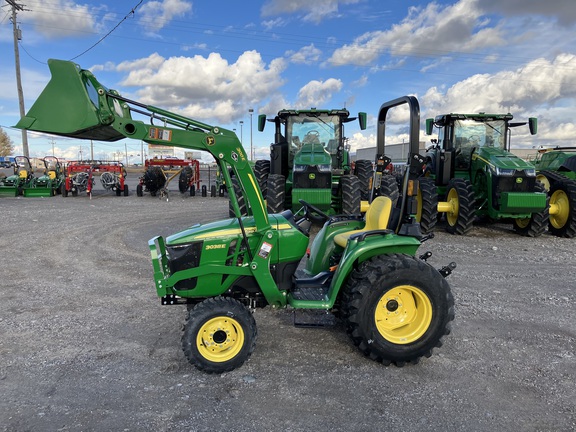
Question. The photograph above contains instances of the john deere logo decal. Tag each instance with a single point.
(210, 140)
(519, 180)
(312, 176)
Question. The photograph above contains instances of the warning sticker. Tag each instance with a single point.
(265, 250)
(160, 134)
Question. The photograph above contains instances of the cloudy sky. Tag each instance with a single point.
(215, 60)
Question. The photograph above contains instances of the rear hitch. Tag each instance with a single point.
(447, 270)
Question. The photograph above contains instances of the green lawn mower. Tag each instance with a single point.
(396, 306)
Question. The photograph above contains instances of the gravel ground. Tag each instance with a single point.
(86, 346)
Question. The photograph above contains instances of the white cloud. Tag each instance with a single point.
(155, 15)
(205, 87)
(306, 55)
(311, 11)
(62, 18)
(429, 31)
(317, 93)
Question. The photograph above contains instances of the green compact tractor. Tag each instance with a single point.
(471, 172)
(22, 178)
(309, 160)
(49, 183)
(556, 169)
(396, 306)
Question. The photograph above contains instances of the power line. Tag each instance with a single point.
(132, 12)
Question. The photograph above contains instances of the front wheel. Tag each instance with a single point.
(397, 308)
(350, 194)
(276, 195)
(219, 336)
(535, 225)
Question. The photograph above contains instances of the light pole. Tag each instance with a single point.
(241, 124)
(251, 111)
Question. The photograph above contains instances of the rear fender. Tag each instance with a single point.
(358, 250)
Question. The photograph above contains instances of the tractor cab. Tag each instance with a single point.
(309, 160)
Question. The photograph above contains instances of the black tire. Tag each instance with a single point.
(460, 221)
(350, 194)
(192, 190)
(239, 197)
(427, 212)
(118, 191)
(212, 191)
(261, 171)
(63, 190)
(276, 196)
(126, 192)
(397, 308)
(363, 170)
(184, 179)
(389, 188)
(219, 335)
(139, 191)
(154, 179)
(563, 196)
(535, 225)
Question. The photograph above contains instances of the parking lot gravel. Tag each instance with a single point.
(86, 346)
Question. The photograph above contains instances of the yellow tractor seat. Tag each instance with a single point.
(23, 174)
(52, 174)
(377, 218)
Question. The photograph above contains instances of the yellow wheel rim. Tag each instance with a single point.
(220, 339)
(403, 314)
(452, 215)
(544, 180)
(522, 223)
(560, 199)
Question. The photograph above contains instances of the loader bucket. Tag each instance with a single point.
(38, 192)
(73, 104)
(8, 191)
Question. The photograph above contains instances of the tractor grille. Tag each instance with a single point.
(182, 257)
(519, 182)
(311, 178)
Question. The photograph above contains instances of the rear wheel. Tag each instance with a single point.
(126, 192)
(261, 171)
(139, 191)
(535, 225)
(184, 179)
(460, 195)
(239, 197)
(389, 188)
(397, 308)
(427, 210)
(562, 222)
(363, 170)
(219, 335)
(350, 194)
(276, 196)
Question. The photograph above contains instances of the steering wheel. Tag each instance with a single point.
(312, 136)
(313, 213)
(474, 139)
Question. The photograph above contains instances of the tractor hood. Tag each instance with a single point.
(498, 158)
(312, 154)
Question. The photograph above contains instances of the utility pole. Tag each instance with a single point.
(251, 111)
(17, 37)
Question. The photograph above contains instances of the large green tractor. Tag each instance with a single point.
(310, 160)
(471, 172)
(556, 169)
(396, 306)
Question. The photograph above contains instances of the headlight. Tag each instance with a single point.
(505, 171)
(324, 168)
(530, 172)
(299, 168)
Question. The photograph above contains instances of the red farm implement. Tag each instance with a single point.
(80, 177)
(160, 172)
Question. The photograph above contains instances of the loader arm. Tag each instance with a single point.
(75, 104)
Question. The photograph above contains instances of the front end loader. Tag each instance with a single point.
(49, 183)
(397, 307)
